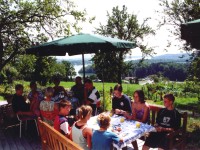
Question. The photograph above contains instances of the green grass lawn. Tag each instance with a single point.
(1, 98)
(181, 102)
(127, 88)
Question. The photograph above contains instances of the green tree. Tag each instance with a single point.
(25, 65)
(124, 26)
(175, 13)
(25, 21)
(70, 71)
(194, 69)
(44, 69)
(104, 68)
(59, 69)
(10, 73)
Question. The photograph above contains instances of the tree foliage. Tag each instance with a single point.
(41, 69)
(25, 65)
(172, 71)
(25, 21)
(124, 26)
(44, 69)
(177, 12)
(70, 71)
(194, 69)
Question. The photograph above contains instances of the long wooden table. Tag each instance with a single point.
(130, 130)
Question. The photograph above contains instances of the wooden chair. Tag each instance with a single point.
(22, 119)
(9, 118)
(175, 139)
(154, 109)
(54, 140)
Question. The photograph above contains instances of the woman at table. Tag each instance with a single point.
(103, 139)
(140, 109)
(81, 134)
(120, 102)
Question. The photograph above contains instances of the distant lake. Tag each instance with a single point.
(78, 67)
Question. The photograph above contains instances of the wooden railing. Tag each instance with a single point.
(54, 140)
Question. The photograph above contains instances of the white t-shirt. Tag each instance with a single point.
(94, 96)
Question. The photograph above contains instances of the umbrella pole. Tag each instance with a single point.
(83, 62)
(103, 88)
(103, 92)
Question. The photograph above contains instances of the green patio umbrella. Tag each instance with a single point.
(190, 32)
(81, 44)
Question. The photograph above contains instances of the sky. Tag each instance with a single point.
(142, 8)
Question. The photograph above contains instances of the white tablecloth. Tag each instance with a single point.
(129, 132)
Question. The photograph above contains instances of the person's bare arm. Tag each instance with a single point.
(162, 129)
(70, 135)
(144, 117)
(88, 133)
(133, 112)
(120, 111)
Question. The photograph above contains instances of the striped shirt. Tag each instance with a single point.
(94, 96)
(61, 124)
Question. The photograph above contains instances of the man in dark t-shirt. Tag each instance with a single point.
(19, 105)
(78, 90)
(168, 120)
(120, 102)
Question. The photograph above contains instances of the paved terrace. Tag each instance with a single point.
(9, 139)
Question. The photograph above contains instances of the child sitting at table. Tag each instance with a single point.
(102, 139)
(34, 107)
(81, 134)
(48, 108)
(61, 122)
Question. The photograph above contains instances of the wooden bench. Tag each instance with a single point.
(54, 140)
(175, 139)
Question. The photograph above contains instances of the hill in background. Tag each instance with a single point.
(182, 57)
(178, 58)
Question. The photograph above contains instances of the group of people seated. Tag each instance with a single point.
(168, 119)
(56, 113)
